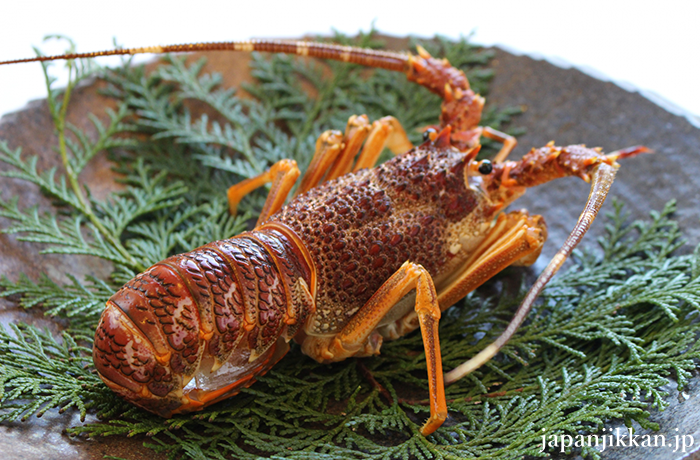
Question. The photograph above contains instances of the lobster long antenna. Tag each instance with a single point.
(372, 58)
(602, 178)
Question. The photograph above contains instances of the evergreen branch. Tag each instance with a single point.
(58, 110)
(27, 170)
(105, 244)
(146, 194)
(205, 88)
(81, 302)
(39, 373)
(85, 148)
(64, 235)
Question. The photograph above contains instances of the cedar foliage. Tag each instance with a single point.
(608, 334)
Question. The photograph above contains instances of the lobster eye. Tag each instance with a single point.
(427, 132)
(485, 167)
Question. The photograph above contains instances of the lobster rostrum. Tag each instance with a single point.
(361, 254)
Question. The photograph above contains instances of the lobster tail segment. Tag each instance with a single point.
(148, 341)
(127, 363)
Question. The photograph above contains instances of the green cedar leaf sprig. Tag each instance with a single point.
(608, 335)
(39, 372)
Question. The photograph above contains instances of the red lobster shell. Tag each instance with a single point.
(197, 327)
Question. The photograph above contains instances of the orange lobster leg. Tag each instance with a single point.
(508, 141)
(328, 146)
(388, 132)
(335, 151)
(356, 132)
(515, 239)
(428, 311)
(282, 174)
(359, 338)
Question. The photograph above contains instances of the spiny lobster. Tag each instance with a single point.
(362, 254)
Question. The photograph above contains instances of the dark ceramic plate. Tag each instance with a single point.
(564, 105)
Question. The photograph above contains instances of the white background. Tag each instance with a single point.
(654, 46)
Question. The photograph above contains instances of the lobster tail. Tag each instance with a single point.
(148, 340)
(198, 327)
(126, 361)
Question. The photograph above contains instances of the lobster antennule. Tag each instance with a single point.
(602, 178)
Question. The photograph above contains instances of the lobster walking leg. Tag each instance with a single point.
(428, 311)
(356, 132)
(282, 174)
(328, 147)
(335, 151)
(388, 132)
(515, 237)
(359, 338)
(509, 142)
